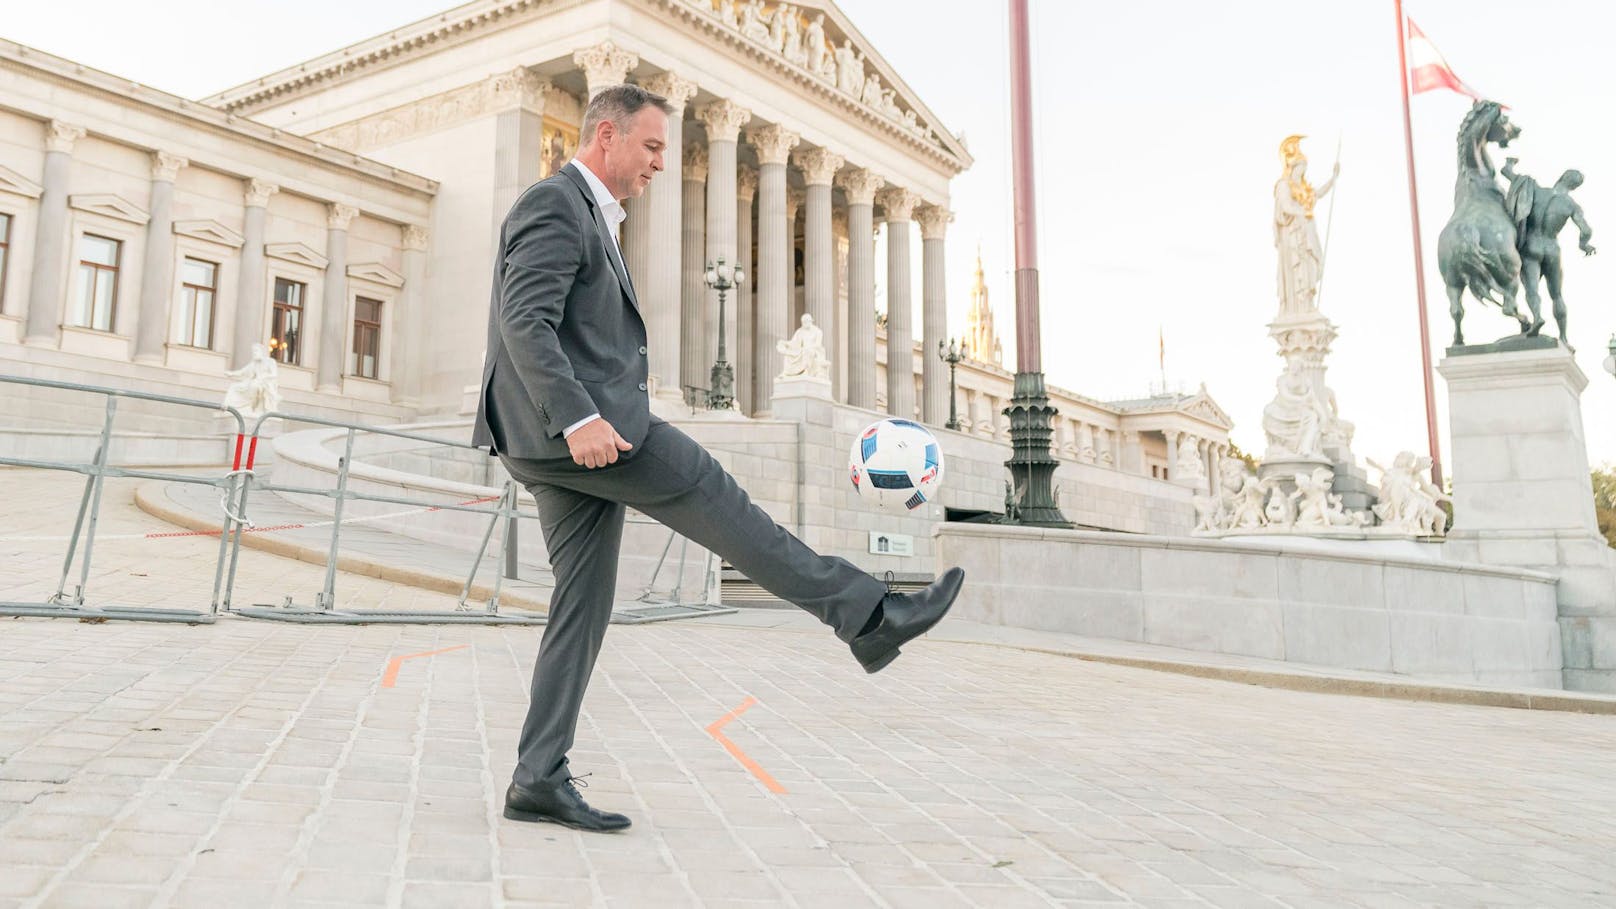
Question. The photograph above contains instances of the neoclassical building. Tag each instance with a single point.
(343, 212)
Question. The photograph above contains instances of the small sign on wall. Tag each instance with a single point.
(893, 544)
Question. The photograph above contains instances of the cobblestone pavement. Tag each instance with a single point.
(248, 764)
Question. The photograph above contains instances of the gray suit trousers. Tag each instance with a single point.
(671, 479)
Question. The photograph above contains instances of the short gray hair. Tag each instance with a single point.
(618, 104)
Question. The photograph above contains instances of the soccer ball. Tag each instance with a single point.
(896, 462)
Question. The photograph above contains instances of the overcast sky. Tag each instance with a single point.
(1157, 131)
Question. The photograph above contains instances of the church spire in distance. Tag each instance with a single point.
(981, 341)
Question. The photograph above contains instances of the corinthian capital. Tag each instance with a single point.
(338, 216)
(934, 221)
(415, 237)
(519, 88)
(723, 120)
(166, 167)
(860, 184)
(773, 142)
(899, 203)
(605, 64)
(259, 191)
(746, 180)
(695, 163)
(59, 136)
(677, 89)
(794, 199)
(818, 165)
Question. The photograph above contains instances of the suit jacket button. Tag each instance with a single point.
(642, 351)
(642, 386)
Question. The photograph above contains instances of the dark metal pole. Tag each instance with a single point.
(1419, 257)
(1032, 467)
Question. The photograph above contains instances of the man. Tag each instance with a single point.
(1539, 215)
(564, 405)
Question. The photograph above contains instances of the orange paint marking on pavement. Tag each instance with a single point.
(390, 677)
(735, 751)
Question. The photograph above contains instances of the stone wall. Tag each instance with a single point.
(1338, 607)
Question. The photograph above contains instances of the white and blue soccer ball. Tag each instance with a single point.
(896, 463)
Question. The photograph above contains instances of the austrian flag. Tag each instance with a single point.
(1427, 71)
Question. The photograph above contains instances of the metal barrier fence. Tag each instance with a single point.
(236, 486)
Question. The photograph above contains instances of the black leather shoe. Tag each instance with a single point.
(905, 616)
(559, 805)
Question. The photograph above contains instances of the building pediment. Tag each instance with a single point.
(211, 231)
(18, 185)
(1201, 406)
(299, 253)
(377, 273)
(110, 206)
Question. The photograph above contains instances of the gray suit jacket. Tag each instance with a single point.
(565, 337)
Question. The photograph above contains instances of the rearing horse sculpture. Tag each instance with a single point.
(1477, 247)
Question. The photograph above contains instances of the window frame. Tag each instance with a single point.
(80, 264)
(275, 278)
(374, 328)
(186, 336)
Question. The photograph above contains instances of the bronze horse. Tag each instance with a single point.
(1477, 247)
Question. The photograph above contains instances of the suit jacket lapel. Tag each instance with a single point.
(612, 255)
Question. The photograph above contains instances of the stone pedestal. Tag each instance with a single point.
(801, 387)
(1284, 470)
(1522, 495)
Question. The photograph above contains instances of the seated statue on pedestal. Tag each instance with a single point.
(1295, 420)
(256, 390)
(805, 352)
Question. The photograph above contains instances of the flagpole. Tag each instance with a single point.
(1419, 257)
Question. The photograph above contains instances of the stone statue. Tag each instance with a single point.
(813, 44)
(1477, 247)
(777, 27)
(871, 96)
(805, 352)
(1294, 421)
(256, 390)
(793, 49)
(1279, 511)
(1296, 236)
(1243, 496)
(1318, 506)
(889, 103)
(1085, 444)
(1539, 215)
(1408, 502)
(1189, 466)
(726, 13)
(849, 69)
(828, 67)
(754, 24)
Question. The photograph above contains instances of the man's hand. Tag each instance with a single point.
(596, 444)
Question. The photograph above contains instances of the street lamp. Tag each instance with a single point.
(723, 278)
(952, 355)
(1610, 361)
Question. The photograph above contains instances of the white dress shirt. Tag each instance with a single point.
(614, 212)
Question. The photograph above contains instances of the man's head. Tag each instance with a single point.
(1570, 180)
(624, 135)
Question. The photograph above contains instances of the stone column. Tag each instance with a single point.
(860, 185)
(693, 251)
(1131, 457)
(794, 201)
(408, 319)
(723, 120)
(250, 297)
(899, 205)
(1172, 452)
(45, 296)
(819, 167)
(838, 346)
(773, 144)
(157, 268)
(604, 66)
(334, 301)
(518, 137)
(746, 298)
(933, 313)
(659, 280)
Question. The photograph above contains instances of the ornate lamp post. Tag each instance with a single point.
(723, 278)
(1610, 361)
(952, 355)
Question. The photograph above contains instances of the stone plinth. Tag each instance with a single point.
(1522, 494)
(801, 387)
(1284, 470)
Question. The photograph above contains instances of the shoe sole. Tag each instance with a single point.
(533, 817)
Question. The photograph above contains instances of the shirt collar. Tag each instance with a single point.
(609, 206)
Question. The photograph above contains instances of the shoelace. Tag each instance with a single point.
(582, 784)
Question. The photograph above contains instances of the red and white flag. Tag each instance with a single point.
(1427, 71)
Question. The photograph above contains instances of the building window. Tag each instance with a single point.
(367, 337)
(5, 255)
(199, 286)
(98, 282)
(286, 328)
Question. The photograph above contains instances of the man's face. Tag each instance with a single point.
(634, 154)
